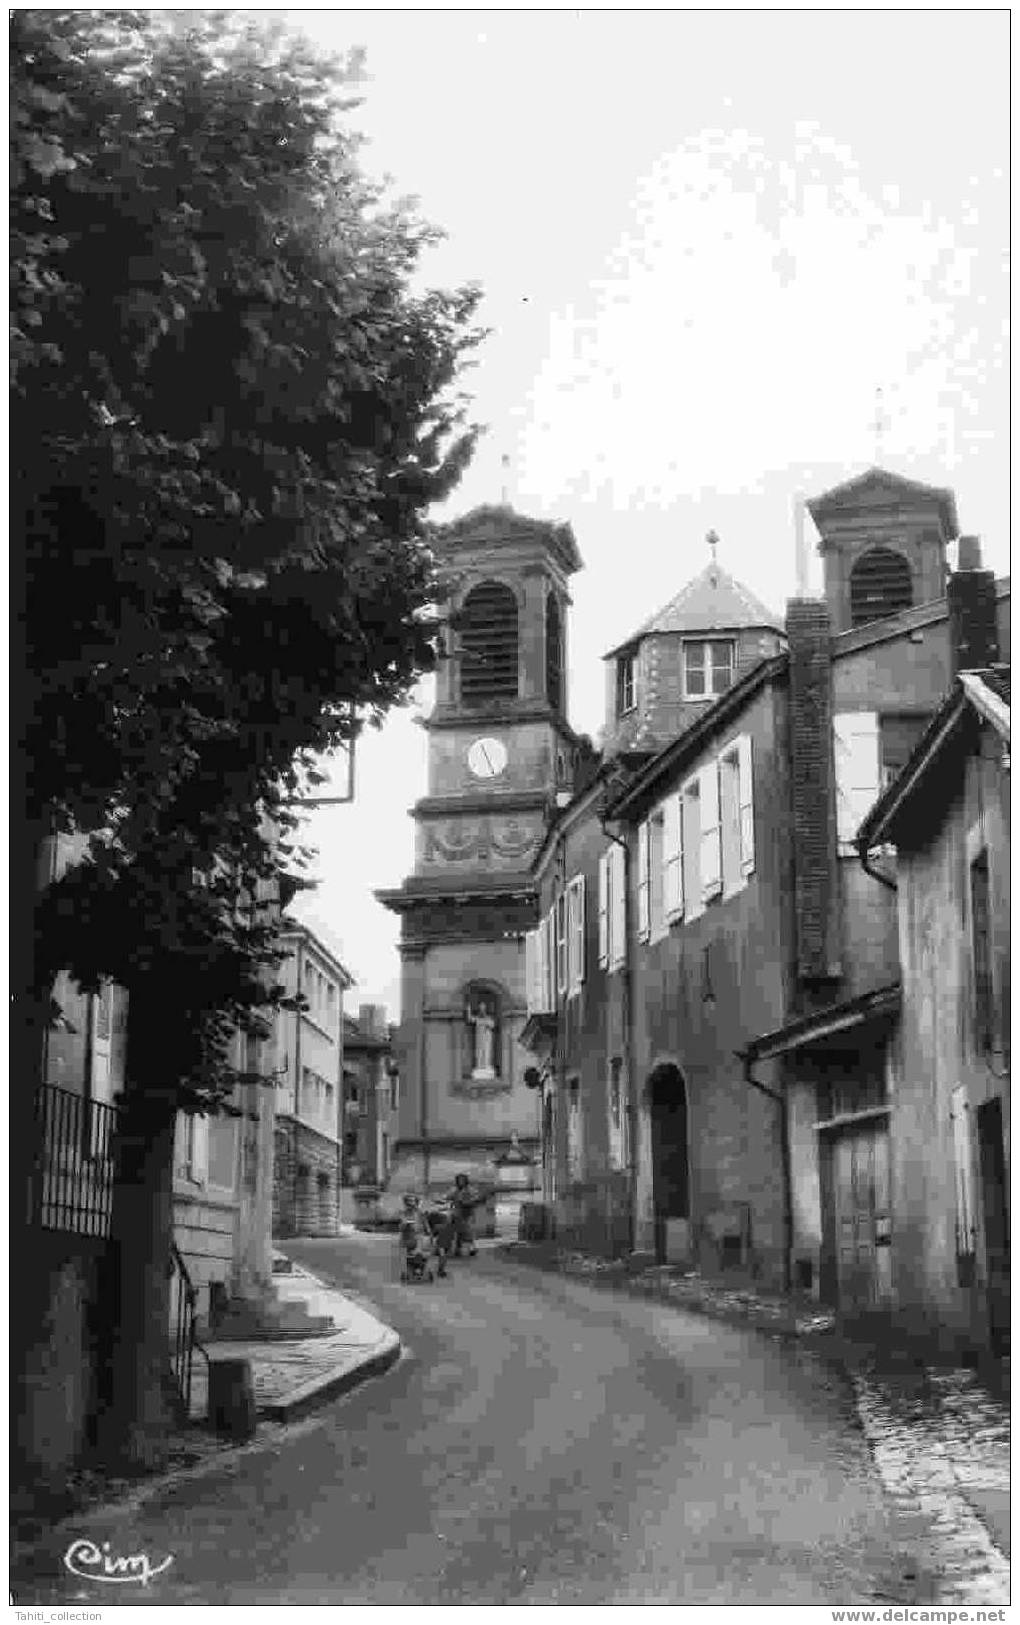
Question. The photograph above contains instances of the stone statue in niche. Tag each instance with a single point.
(481, 1017)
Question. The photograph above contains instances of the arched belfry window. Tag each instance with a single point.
(553, 653)
(488, 642)
(880, 585)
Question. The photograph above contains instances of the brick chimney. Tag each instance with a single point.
(816, 883)
(973, 630)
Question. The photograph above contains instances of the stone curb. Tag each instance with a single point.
(333, 1383)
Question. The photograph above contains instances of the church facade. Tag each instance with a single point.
(500, 755)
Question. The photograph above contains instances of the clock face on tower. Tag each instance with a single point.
(487, 758)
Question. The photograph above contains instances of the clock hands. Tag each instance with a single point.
(485, 758)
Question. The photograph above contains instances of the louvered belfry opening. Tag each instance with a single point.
(880, 585)
(488, 640)
(553, 654)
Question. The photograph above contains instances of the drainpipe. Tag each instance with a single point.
(784, 1152)
(628, 1029)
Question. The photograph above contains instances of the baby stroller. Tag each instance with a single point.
(423, 1258)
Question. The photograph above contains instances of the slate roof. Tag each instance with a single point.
(712, 601)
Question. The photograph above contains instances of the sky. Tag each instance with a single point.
(707, 240)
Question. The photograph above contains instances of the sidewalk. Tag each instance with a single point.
(291, 1375)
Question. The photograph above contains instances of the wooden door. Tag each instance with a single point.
(996, 1221)
(863, 1219)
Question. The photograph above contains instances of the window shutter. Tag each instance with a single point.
(965, 1208)
(856, 752)
(617, 908)
(604, 910)
(672, 859)
(531, 971)
(561, 942)
(745, 782)
(644, 835)
(548, 962)
(199, 1158)
(711, 831)
(577, 934)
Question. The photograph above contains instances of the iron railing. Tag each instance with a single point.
(73, 1185)
(183, 1314)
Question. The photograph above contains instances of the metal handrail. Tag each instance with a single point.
(183, 1316)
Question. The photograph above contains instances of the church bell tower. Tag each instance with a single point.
(500, 754)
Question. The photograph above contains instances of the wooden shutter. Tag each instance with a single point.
(575, 951)
(532, 979)
(604, 910)
(965, 1206)
(710, 831)
(856, 753)
(644, 841)
(617, 907)
(561, 942)
(745, 793)
(198, 1157)
(672, 859)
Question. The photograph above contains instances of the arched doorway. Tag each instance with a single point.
(667, 1099)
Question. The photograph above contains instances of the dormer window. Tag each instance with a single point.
(880, 585)
(626, 689)
(708, 667)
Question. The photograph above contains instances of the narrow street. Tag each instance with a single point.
(539, 1442)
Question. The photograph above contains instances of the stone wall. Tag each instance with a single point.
(306, 1181)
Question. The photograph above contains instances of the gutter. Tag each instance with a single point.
(780, 1100)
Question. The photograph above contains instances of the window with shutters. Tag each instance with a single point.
(672, 858)
(858, 772)
(658, 925)
(880, 585)
(708, 667)
(488, 624)
(981, 955)
(575, 935)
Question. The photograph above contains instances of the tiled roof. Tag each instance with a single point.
(713, 601)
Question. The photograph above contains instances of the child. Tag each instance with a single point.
(416, 1237)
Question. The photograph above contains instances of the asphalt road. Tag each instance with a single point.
(540, 1442)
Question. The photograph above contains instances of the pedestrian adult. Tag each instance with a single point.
(463, 1200)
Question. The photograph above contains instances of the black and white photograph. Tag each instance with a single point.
(510, 872)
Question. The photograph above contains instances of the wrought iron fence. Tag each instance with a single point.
(73, 1187)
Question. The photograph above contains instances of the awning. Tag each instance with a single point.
(832, 1027)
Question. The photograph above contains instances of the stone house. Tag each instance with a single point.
(754, 986)
(946, 813)
(371, 1084)
(309, 1059)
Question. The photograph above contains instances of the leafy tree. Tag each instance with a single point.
(232, 407)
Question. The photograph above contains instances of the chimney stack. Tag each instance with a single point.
(800, 545)
(808, 631)
(973, 621)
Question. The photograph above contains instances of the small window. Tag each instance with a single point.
(626, 693)
(708, 667)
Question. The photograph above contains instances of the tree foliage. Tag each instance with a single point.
(232, 408)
